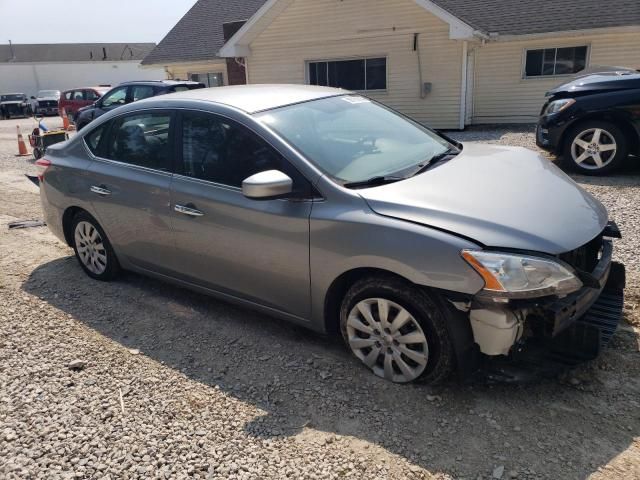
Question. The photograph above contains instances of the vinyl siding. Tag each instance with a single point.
(328, 29)
(180, 71)
(503, 96)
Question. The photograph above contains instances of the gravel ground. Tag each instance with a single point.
(139, 379)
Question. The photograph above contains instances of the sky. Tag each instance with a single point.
(78, 21)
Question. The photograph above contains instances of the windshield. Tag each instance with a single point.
(48, 93)
(11, 98)
(354, 139)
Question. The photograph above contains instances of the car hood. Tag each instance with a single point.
(598, 83)
(55, 99)
(13, 102)
(503, 197)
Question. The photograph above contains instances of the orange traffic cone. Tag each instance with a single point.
(22, 147)
(65, 119)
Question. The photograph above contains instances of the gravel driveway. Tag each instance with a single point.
(140, 379)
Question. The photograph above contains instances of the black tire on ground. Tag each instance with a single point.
(611, 131)
(112, 265)
(426, 307)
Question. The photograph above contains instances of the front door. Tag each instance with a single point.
(252, 249)
(129, 183)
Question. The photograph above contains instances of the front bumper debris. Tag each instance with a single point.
(580, 340)
(556, 333)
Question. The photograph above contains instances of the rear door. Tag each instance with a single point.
(256, 250)
(129, 183)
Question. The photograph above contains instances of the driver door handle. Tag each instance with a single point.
(188, 210)
(101, 190)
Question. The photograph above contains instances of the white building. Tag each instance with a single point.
(27, 68)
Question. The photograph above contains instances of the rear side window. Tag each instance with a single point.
(92, 139)
(141, 139)
(78, 95)
(67, 95)
(138, 92)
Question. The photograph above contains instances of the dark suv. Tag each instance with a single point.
(128, 92)
(593, 123)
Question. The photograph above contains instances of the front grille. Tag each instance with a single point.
(47, 103)
(586, 257)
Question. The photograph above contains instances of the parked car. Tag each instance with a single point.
(75, 99)
(14, 105)
(330, 210)
(130, 92)
(47, 102)
(592, 122)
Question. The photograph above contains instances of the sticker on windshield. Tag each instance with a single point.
(353, 99)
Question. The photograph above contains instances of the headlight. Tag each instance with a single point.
(559, 105)
(521, 276)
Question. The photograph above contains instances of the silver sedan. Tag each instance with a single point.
(332, 211)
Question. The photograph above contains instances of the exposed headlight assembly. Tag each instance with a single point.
(559, 105)
(521, 276)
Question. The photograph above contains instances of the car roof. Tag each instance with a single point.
(96, 87)
(254, 98)
(159, 82)
(12, 93)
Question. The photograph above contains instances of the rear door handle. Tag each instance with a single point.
(187, 210)
(101, 190)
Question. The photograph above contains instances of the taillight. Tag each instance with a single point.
(42, 165)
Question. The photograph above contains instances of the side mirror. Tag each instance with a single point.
(267, 185)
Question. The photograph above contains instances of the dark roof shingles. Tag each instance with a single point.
(198, 35)
(73, 52)
(521, 17)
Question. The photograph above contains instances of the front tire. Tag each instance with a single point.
(595, 148)
(93, 249)
(397, 330)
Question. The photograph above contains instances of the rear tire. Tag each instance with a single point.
(93, 249)
(397, 330)
(595, 147)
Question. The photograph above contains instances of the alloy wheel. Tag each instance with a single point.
(593, 148)
(90, 247)
(387, 339)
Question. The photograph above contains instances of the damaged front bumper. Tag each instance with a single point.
(526, 339)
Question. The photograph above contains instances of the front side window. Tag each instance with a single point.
(209, 79)
(115, 98)
(361, 74)
(354, 139)
(544, 62)
(91, 95)
(219, 150)
(141, 139)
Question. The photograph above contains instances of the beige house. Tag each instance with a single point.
(448, 63)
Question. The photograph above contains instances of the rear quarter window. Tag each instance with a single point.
(92, 139)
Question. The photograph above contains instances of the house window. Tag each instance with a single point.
(360, 74)
(543, 62)
(209, 79)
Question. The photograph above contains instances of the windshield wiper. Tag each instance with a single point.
(449, 153)
(373, 181)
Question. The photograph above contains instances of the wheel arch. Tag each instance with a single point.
(67, 222)
(338, 289)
